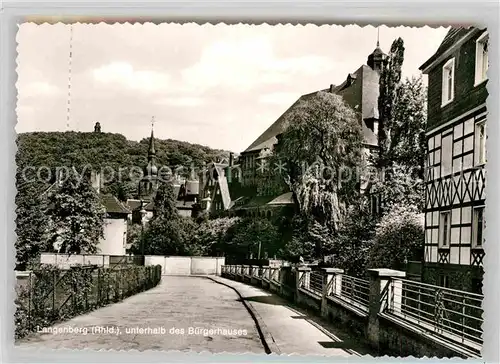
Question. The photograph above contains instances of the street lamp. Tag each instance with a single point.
(143, 215)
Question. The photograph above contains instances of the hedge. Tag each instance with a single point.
(51, 295)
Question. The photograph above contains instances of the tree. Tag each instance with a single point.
(251, 235)
(389, 96)
(211, 235)
(31, 224)
(134, 232)
(321, 149)
(165, 202)
(408, 146)
(353, 240)
(399, 238)
(76, 215)
(402, 186)
(169, 237)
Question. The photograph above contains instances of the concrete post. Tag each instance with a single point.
(379, 297)
(266, 272)
(332, 283)
(254, 274)
(281, 279)
(242, 272)
(246, 268)
(301, 277)
(265, 276)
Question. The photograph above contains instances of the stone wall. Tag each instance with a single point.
(397, 340)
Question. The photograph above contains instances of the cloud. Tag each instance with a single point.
(220, 85)
(180, 101)
(124, 74)
(279, 98)
(34, 89)
(247, 63)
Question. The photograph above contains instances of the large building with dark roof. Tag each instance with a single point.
(260, 193)
(456, 157)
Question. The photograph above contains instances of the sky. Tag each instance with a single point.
(215, 85)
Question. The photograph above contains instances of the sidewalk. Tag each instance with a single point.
(292, 330)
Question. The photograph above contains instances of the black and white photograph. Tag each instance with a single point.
(267, 189)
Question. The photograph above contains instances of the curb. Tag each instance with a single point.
(265, 335)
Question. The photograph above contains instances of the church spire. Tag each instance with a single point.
(151, 150)
(151, 169)
(377, 58)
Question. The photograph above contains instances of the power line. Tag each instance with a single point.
(70, 60)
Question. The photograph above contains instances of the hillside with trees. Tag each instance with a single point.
(44, 151)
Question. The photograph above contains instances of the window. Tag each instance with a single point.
(480, 152)
(448, 81)
(478, 227)
(446, 155)
(481, 58)
(444, 229)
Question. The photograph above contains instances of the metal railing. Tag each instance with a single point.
(48, 296)
(445, 314)
(313, 282)
(452, 314)
(353, 290)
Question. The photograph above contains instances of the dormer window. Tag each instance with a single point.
(481, 58)
(448, 82)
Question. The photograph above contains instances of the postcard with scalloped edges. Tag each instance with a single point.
(251, 189)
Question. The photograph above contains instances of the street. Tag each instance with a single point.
(182, 313)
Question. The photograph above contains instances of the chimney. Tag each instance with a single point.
(231, 159)
(331, 88)
(95, 180)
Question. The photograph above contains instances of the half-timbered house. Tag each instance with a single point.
(456, 156)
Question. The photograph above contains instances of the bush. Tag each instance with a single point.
(210, 236)
(353, 241)
(398, 238)
(52, 295)
(245, 237)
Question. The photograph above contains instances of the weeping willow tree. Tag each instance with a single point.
(321, 149)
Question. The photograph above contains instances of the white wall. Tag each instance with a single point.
(203, 265)
(177, 266)
(115, 237)
(170, 265)
(155, 260)
(186, 265)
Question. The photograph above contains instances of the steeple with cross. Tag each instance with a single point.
(149, 182)
(377, 58)
(151, 151)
